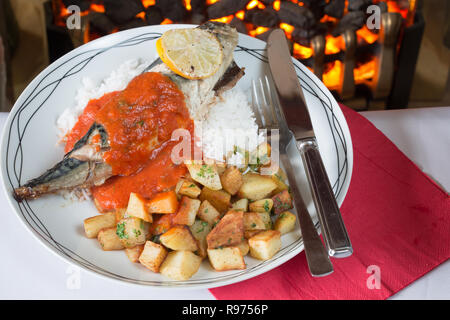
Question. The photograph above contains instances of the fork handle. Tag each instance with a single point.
(334, 232)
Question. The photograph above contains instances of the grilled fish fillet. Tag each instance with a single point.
(84, 166)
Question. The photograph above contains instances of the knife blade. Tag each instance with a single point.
(296, 115)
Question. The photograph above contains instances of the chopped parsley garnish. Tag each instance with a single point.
(120, 231)
(204, 224)
(137, 233)
(266, 206)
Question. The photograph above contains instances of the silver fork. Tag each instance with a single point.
(267, 118)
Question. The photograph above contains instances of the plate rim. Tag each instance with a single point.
(166, 284)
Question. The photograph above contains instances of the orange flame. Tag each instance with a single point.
(364, 72)
(167, 21)
(276, 5)
(365, 34)
(226, 19)
(331, 77)
(301, 52)
(148, 3)
(187, 4)
(97, 7)
(333, 45)
(257, 31)
(240, 14)
(210, 2)
(253, 4)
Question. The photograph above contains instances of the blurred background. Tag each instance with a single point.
(402, 64)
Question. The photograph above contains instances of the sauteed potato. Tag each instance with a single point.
(220, 215)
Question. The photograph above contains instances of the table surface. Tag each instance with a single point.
(30, 271)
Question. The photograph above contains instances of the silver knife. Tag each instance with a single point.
(296, 115)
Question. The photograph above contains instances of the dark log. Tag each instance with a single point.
(358, 5)
(172, 9)
(383, 7)
(197, 18)
(134, 23)
(82, 4)
(317, 7)
(122, 11)
(351, 21)
(267, 2)
(335, 8)
(304, 36)
(239, 25)
(225, 8)
(295, 15)
(267, 17)
(153, 15)
(100, 22)
(198, 6)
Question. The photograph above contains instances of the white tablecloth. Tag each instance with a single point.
(30, 271)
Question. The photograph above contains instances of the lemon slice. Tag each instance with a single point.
(191, 53)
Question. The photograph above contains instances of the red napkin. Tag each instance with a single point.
(398, 220)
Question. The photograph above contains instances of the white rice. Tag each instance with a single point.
(230, 125)
(230, 122)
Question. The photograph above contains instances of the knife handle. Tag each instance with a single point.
(333, 229)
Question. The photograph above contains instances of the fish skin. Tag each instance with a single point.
(76, 170)
(84, 166)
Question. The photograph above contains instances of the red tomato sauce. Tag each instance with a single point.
(159, 175)
(139, 121)
(140, 118)
(85, 120)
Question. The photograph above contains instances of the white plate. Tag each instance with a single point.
(29, 147)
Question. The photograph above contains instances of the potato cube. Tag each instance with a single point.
(187, 188)
(285, 222)
(265, 244)
(179, 238)
(256, 187)
(231, 180)
(93, 225)
(153, 256)
(200, 230)
(228, 231)
(282, 202)
(240, 205)
(163, 203)
(187, 211)
(109, 240)
(265, 217)
(279, 177)
(253, 221)
(161, 223)
(263, 205)
(243, 246)
(229, 258)
(208, 213)
(137, 208)
(221, 167)
(261, 155)
(134, 253)
(250, 233)
(220, 199)
(120, 214)
(132, 231)
(180, 265)
(205, 174)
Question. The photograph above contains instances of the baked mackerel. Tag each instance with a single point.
(84, 167)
